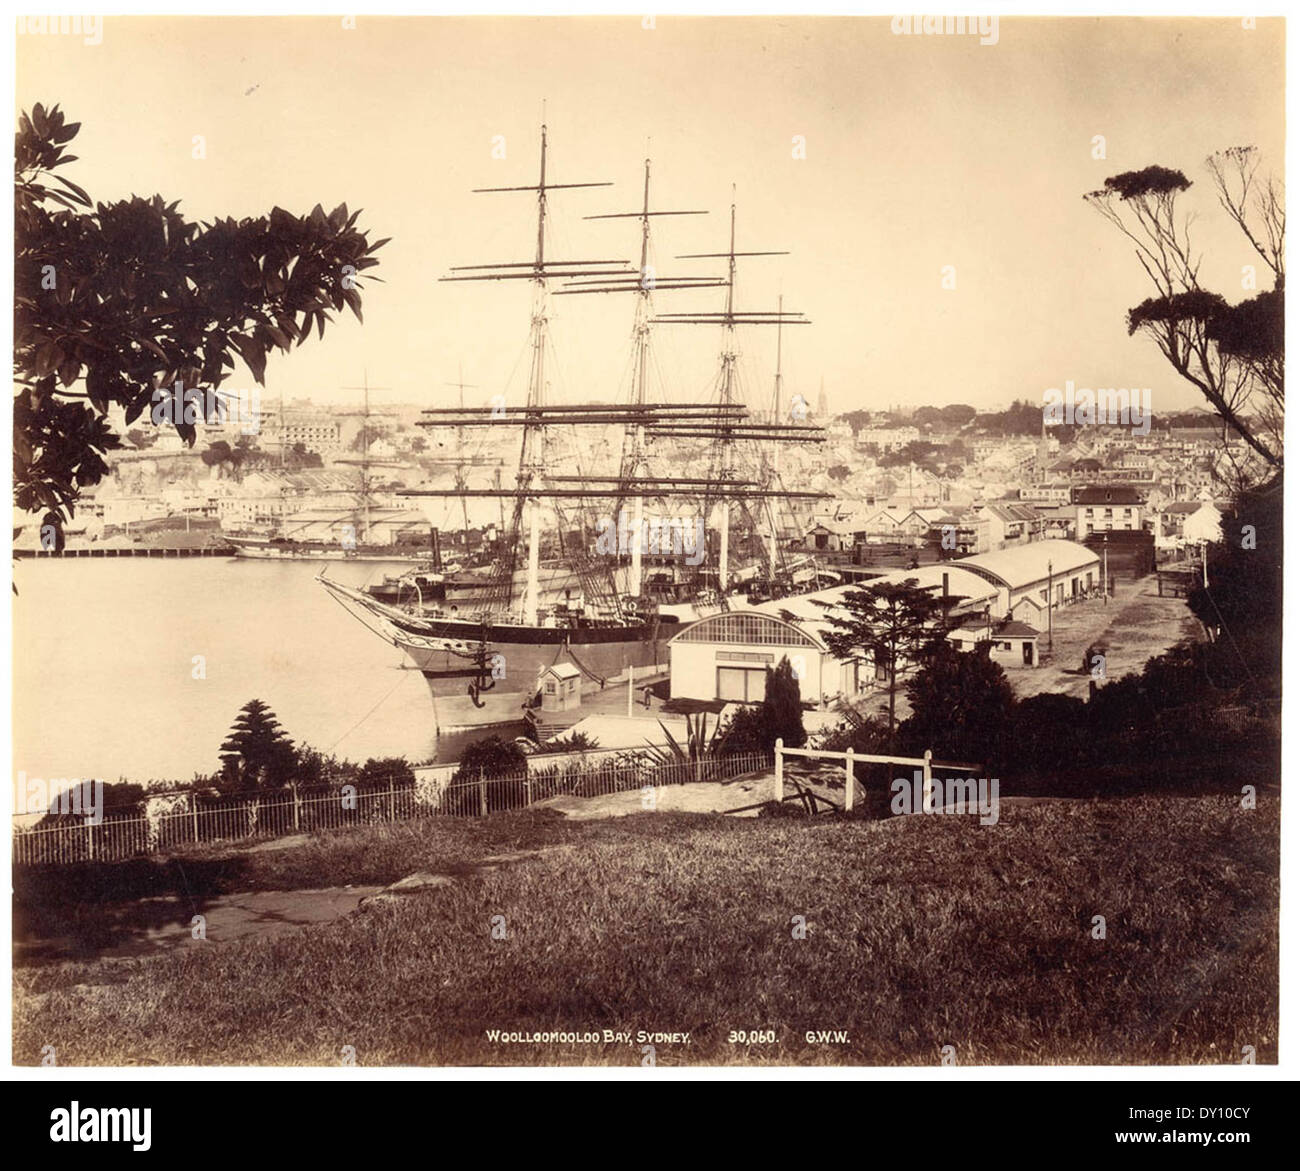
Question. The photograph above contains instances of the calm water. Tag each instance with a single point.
(103, 656)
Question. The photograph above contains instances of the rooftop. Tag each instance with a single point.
(1107, 494)
(1022, 565)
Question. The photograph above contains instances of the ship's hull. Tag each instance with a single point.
(310, 551)
(555, 584)
(494, 671)
(482, 674)
(485, 673)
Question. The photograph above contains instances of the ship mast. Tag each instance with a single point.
(729, 354)
(533, 443)
(641, 419)
(635, 460)
(634, 464)
(729, 318)
(462, 386)
(772, 464)
(364, 461)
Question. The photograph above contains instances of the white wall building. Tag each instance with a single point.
(725, 657)
(888, 438)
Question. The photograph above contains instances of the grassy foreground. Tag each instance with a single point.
(921, 933)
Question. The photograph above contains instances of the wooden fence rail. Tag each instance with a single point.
(850, 758)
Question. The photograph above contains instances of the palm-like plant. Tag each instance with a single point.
(701, 746)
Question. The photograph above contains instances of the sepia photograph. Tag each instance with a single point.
(614, 541)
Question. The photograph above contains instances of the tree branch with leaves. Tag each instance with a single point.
(1232, 354)
(122, 303)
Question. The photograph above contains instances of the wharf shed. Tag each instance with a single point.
(726, 656)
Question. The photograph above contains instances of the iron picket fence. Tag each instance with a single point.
(195, 818)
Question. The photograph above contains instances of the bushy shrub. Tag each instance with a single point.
(779, 716)
(386, 772)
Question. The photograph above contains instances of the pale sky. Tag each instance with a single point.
(921, 152)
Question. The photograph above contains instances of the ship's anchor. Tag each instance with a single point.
(486, 680)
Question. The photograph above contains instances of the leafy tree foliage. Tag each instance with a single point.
(746, 731)
(490, 757)
(1242, 606)
(223, 457)
(1020, 418)
(1152, 180)
(572, 742)
(962, 707)
(782, 709)
(779, 716)
(1051, 733)
(313, 767)
(856, 419)
(367, 436)
(128, 299)
(121, 800)
(297, 460)
(920, 452)
(952, 415)
(388, 772)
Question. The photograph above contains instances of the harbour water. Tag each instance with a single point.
(105, 659)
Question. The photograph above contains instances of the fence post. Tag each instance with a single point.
(392, 801)
(482, 793)
(927, 792)
(779, 795)
(296, 801)
(849, 780)
(528, 788)
(194, 814)
(90, 838)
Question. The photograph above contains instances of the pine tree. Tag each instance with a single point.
(256, 753)
(890, 625)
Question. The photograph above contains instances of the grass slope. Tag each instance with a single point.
(922, 932)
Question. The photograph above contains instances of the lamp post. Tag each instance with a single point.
(1105, 569)
(1049, 607)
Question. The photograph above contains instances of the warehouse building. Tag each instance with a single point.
(725, 657)
(1054, 569)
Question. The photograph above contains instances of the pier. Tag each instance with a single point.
(204, 551)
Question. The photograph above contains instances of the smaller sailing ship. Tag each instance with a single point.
(364, 529)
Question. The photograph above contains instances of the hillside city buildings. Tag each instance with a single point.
(930, 489)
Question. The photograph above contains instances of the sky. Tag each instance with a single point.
(921, 153)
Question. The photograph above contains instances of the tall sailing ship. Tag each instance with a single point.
(614, 603)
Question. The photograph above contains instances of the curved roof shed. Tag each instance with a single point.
(1021, 566)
